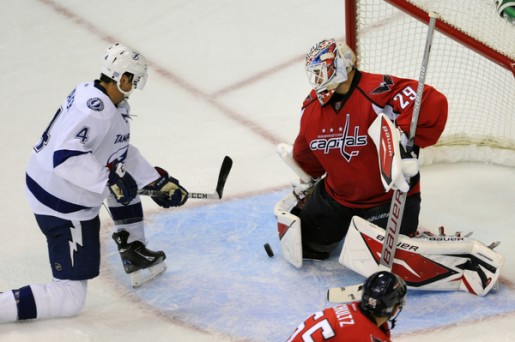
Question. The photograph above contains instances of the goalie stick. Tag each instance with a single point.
(222, 178)
(353, 292)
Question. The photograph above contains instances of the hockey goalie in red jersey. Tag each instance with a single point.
(350, 121)
(384, 295)
(335, 149)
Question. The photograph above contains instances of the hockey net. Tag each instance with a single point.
(472, 62)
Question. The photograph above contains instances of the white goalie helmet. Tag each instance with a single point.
(327, 65)
(120, 59)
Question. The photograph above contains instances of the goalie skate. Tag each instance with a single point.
(142, 264)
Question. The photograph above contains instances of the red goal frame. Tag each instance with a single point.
(442, 27)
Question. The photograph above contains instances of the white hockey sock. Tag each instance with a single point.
(8, 308)
(136, 231)
(60, 298)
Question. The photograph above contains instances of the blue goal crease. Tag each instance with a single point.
(219, 275)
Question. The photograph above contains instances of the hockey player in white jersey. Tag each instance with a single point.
(83, 158)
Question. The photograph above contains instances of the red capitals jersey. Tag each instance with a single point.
(333, 138)
(342, 323)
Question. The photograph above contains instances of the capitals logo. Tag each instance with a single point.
(342, 141)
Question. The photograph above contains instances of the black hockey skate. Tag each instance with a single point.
(141, 263)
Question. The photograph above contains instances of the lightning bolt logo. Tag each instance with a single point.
(76, 233)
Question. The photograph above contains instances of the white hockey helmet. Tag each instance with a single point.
(327, 65)
(120, 59)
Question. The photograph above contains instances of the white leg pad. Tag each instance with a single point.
(288, 226)
(441, 263)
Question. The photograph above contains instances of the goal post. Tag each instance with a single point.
(448, 25)
(472, 63)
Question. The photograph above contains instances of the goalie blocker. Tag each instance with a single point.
(426, 262)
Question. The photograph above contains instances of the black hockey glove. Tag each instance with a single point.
(121, 184)
(174, 195)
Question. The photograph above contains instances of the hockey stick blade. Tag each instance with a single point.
(222, 178)
(345, 294)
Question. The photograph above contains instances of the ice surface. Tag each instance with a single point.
(226, 78)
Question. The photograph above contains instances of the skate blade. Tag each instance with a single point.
(146, 275)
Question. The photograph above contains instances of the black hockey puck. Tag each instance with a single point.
(269, 250)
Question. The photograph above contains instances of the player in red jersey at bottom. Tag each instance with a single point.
(384, 295)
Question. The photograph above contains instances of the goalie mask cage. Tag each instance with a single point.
(472, 62)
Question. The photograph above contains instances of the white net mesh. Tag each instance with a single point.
(481, 93)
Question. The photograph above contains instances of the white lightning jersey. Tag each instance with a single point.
(68, 171)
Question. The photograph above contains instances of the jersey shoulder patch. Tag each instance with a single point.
(384, 86)
(95, 104)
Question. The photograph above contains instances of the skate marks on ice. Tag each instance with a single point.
(220, 278)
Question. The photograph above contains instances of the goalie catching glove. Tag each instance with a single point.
(121, 184)
(173, 194)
